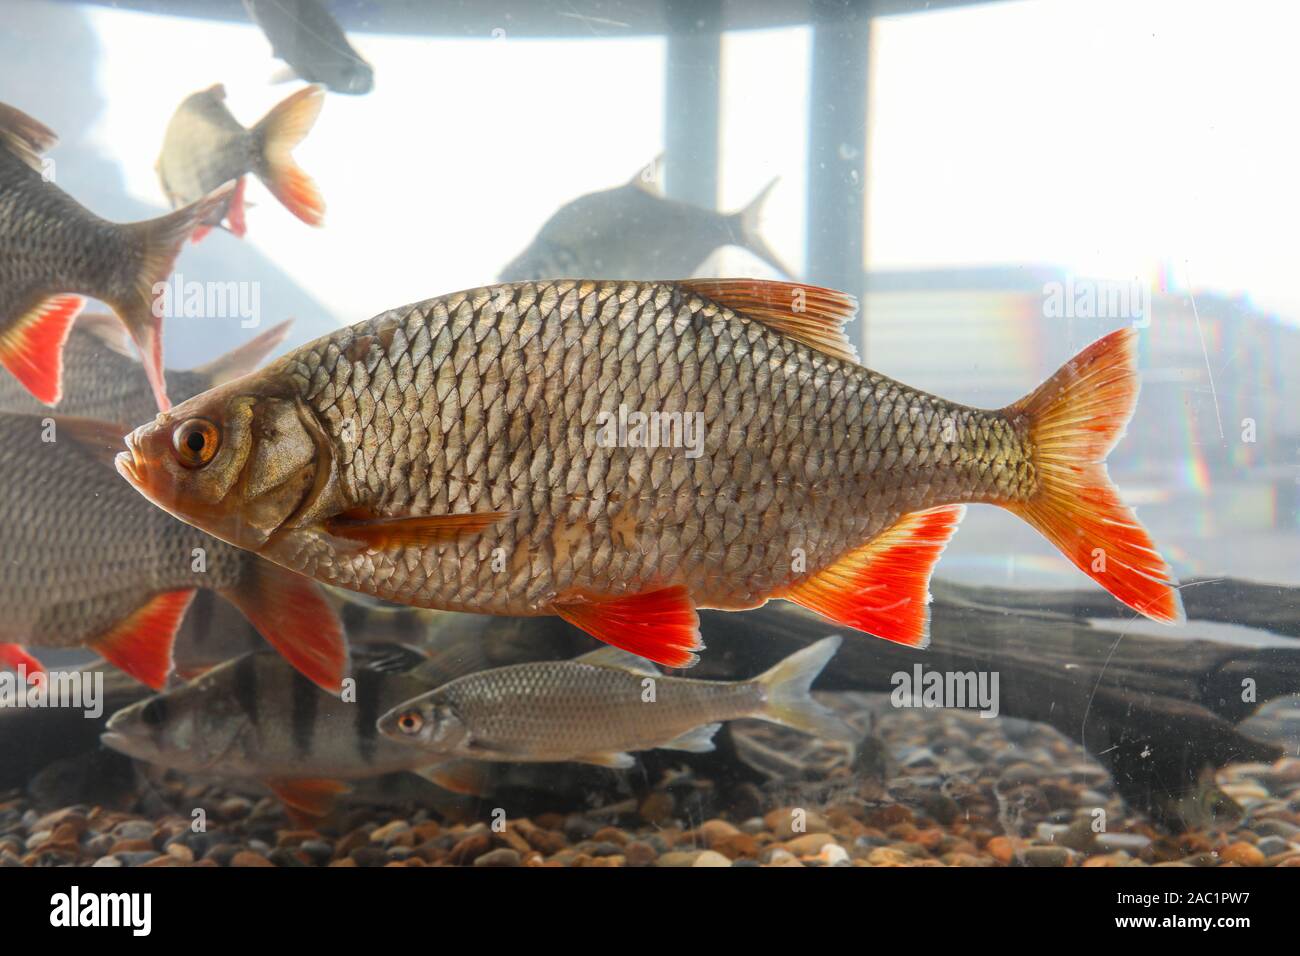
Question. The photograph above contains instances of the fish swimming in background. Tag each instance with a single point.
(632, 231)
(86, 566)
(53, 251)
(205, 146)
(310, 40)
(256, 718)
(600, 707)
(103, 381)
(480, 452)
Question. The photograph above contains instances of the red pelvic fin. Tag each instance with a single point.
(660, 626)
(141, 645)
(17, 659)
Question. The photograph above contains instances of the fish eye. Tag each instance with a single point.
(410, 722)
(196, 442)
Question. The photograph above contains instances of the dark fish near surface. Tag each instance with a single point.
(205, 146)
(599, 707)
(632, 231)
(103, 380)
(86, 565)
(304, 35)
(255, 717)
(469, 453)
(53, 251)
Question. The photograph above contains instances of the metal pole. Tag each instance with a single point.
(692, 100)
(837, 147)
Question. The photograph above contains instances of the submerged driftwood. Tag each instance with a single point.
(1156, 711)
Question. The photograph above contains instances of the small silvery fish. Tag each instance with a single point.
(468, 453)
(256, 718)
(86, 566)
(599, 708)
(53, 251)
(102, 377)
(205, 146)
(632, 231)
(305, 36)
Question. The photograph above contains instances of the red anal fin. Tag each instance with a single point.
(141, 645)
(883, 587)
(17, 659)
(235, 214)
(290, 611)
(32, 347)
(806, 313)
(200, 233)
(311, 797)
(382, 534)
(660, 626)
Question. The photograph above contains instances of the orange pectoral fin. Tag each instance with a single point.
(141, 645)
(311, 798)
(290, 611)
(32, 347)
(383, 534)
(16, 658)
(883, 587)
(660, 626)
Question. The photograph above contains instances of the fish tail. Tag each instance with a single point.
(139, 309)
(788, 698)
(746, 223)
(1073, 421)
(278, 133)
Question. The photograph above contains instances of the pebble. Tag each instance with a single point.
(711, 858)
(638, 853)
(1242, 853)
(502, 856)
(249, 858)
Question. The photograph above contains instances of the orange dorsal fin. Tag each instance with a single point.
(291, 612)
(26, 138)
(383, 534)
(660, 626)
(309, 796)
(1073, 420)
(806, 313)
(883, 587)
(32, 347)
(17, 659)
(141, 645)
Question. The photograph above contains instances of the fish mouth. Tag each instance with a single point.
(129, 463)
(125, 744)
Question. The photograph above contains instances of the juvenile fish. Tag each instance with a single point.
(205, 146)
(310, 40)
(88, 564)
(599, 708)
(54, 251)
(102, 377)
(632, 231)
(479, 452)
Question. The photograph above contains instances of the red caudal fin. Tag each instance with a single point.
(291, 612)
(1074, 419)
(883, 587)
(660, 626)
(32, 346)
(16, 658)
(141, 645)
(279, 132)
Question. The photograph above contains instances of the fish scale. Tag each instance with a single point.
(773, 409)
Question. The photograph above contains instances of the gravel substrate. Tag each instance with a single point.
(932, 788)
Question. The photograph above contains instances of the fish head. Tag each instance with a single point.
(192, 728)
(429, 722)
(236, 461)
(353, 76)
